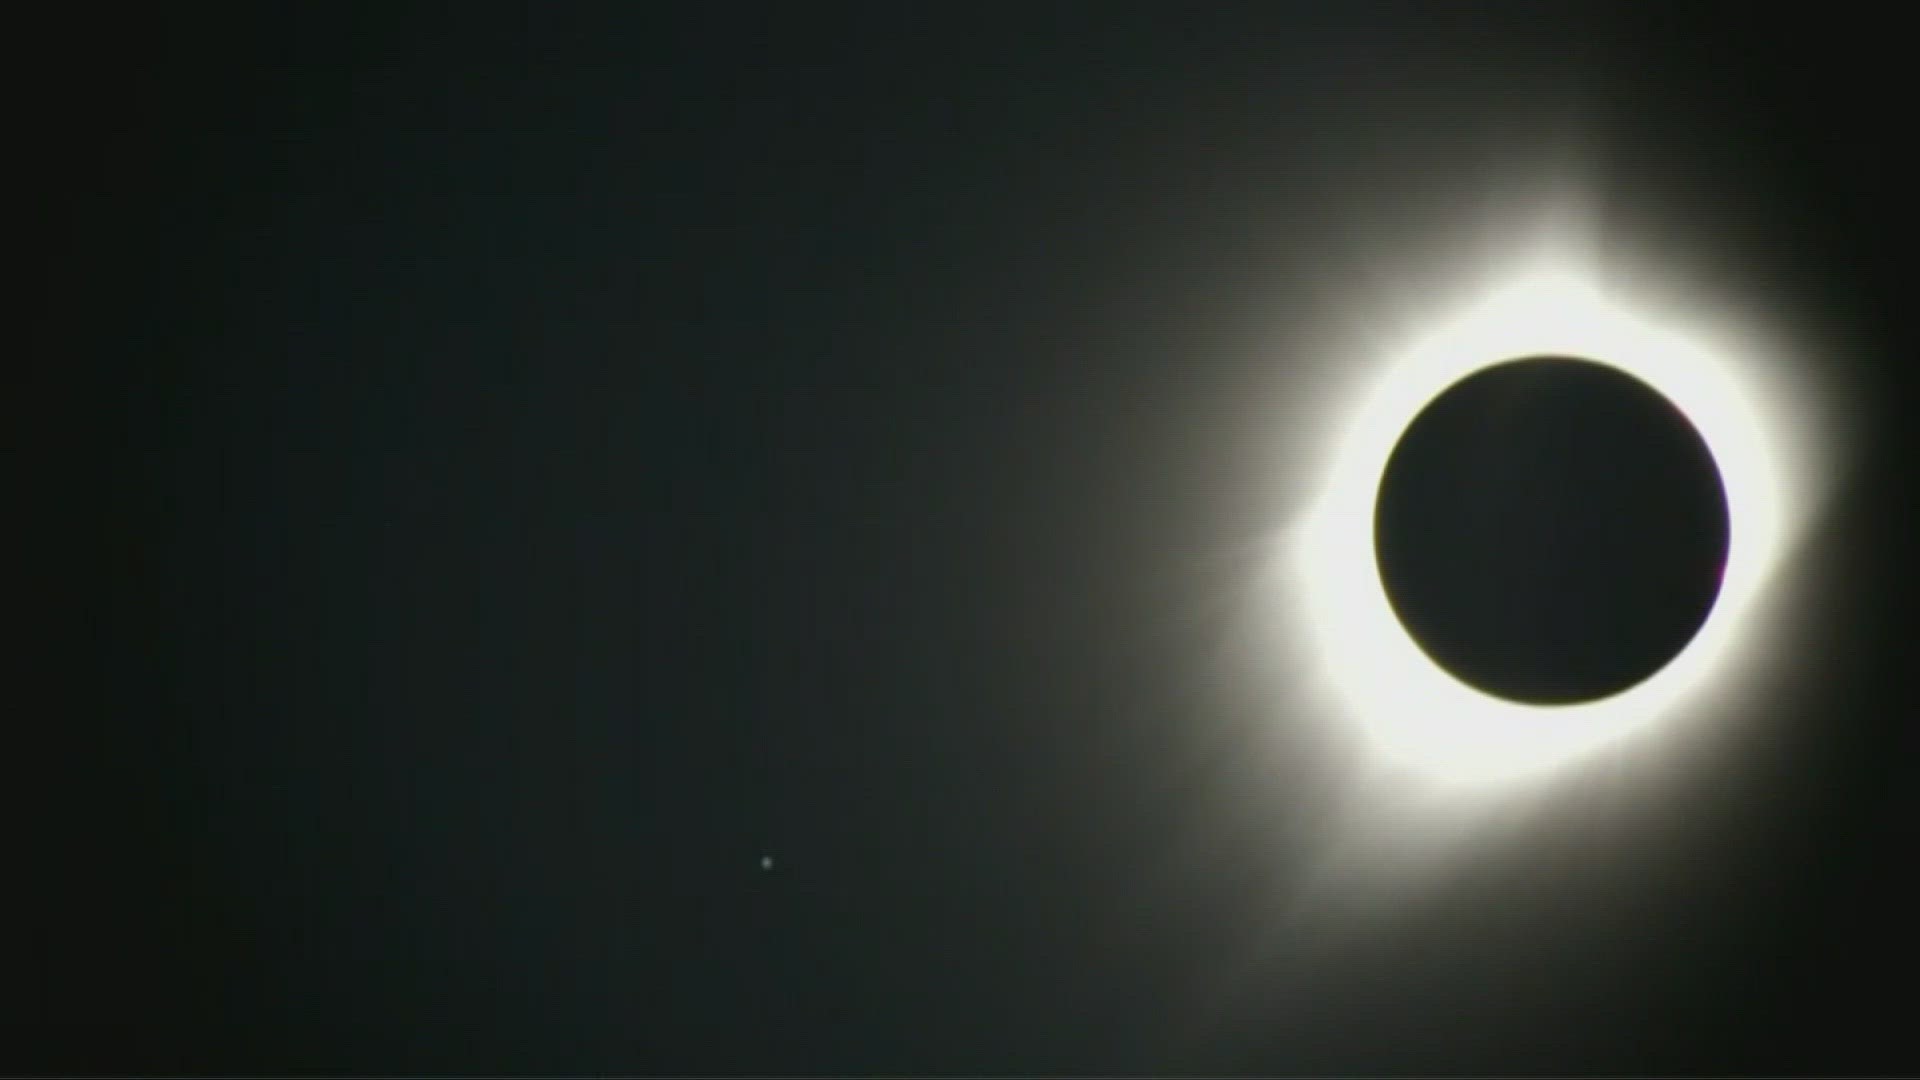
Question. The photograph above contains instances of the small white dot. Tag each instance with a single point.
(766, 862)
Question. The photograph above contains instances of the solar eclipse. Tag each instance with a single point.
(1542, 529)
(1551, 530)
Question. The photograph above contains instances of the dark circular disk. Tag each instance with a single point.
(1551, 530)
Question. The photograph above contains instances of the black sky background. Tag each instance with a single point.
(496, 474)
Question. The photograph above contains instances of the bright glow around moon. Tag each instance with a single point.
(1411, 710)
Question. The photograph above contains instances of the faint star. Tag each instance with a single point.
(766, 862)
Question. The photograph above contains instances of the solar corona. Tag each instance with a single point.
(1440, 717)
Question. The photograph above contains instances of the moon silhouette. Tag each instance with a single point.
(1551, 530)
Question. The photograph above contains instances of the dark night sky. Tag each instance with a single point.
(508, 472)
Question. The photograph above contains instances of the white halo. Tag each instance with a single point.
(1412, 710)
